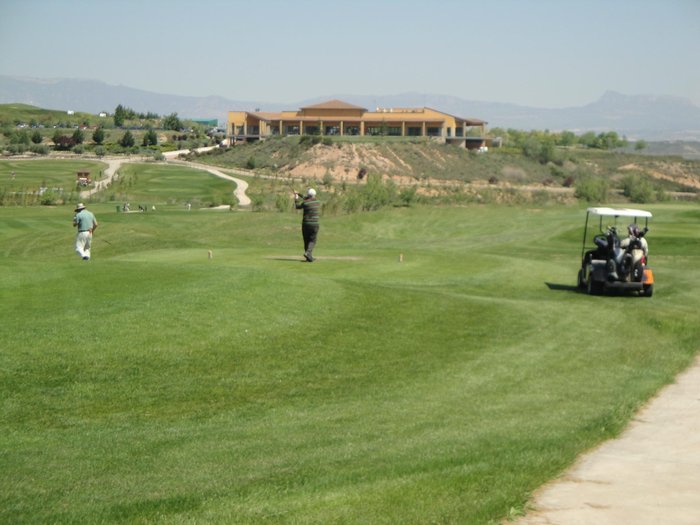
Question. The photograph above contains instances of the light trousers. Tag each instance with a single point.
(82, 244)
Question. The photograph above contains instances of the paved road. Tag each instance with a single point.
(650, 475)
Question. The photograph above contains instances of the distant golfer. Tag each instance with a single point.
(86, 223)
(310, 222)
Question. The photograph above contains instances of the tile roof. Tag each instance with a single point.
(334, 104)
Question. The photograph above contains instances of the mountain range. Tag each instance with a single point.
(648, 117)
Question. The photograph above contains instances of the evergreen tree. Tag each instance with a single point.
(119, 116)
(127, 141)
(150, 138)
(78, 136)
(98, 136)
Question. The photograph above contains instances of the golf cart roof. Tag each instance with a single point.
(619, 212)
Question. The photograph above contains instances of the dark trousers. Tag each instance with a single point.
(309, 231)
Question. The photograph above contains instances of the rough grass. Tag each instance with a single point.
(155, 385)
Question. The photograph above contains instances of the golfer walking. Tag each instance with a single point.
(86, 223)
(310, 222)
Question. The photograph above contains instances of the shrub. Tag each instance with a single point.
(257, 201)
(332, 204)
(20, 137)
(327, 179)
(39, 149)
(282, 203)
(662, 196)
(637, 189)
(63, 142)
(407, 196)
(16, 149)
(48, 198)
(592, 189)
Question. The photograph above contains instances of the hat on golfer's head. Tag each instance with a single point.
(80, 206)
(311, 192)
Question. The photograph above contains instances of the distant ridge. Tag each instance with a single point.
(649, 117)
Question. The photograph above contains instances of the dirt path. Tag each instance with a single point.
(650, 475)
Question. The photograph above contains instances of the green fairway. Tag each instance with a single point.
(156, 385)
(161, 184)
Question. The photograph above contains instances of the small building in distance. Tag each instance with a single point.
(210, 122)
(338, 118)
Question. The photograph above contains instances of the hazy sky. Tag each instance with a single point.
(543, 53)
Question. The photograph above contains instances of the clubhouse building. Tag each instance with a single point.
(339, 118)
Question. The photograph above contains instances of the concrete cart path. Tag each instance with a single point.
(241, 185)
(112, 167)
(115, 163)
(650, 475)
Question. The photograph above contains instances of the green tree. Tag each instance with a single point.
(98, 135)
(127, 141)
(567, 138)
(78, 136)
(36, 137)
(588, 139)
(609, 140)
(20, 137)
(150, 138)
(640, 145)
(119, 116)
(172, 122)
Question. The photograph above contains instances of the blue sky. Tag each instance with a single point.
(542, 53)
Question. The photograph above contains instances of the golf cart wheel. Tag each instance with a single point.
(593, 287)
(637, 272)
(580, 282)
(648, 290)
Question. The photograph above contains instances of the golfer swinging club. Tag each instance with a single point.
(310, 222)
(86, 223)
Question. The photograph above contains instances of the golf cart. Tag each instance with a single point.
(614, 264)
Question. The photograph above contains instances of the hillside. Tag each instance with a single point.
(430, 165)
